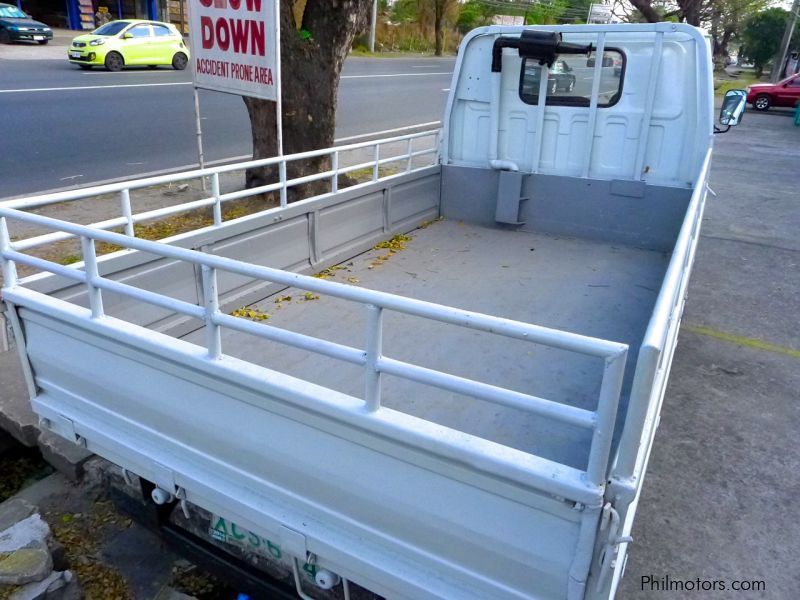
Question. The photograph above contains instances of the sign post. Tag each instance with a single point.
(236, 49)
(599, 13)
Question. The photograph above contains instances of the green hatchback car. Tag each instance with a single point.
(130, 42)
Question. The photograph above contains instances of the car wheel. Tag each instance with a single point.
(179, 61)
(552, 87)
(114, 61)
(762, 102)
(43, 42)
(85, 67)
(570, 85)
(5, 38)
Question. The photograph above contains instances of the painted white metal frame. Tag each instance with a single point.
(495, 155)
(600, 422)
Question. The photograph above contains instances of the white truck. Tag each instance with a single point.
(462, 403)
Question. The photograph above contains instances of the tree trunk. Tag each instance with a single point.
(438, 29)
(647, 10)
(690, 11)
(310, 65)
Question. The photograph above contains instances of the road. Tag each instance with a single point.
(62, 126)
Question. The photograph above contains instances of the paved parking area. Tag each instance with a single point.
(720, 499)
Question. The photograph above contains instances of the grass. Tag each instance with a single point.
(175, 225)
(726, 83)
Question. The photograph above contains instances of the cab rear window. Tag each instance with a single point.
(569, 81)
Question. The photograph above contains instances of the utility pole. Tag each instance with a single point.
(780, 59)
(372, 23)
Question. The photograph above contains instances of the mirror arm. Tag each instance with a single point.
(718, 130)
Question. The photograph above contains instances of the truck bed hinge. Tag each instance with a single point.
(509, 198)
(610, 522)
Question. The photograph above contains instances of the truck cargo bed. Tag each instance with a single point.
(593, 288)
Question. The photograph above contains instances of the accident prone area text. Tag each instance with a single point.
(233, 70)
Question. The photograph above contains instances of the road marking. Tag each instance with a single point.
(741, 340)
(94, 87)
(445, 89)
(211, 163)
(137, 85)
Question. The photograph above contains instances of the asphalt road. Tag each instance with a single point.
(60, 126)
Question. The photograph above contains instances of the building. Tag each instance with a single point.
(79, 14)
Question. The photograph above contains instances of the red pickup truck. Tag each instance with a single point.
(784, 93)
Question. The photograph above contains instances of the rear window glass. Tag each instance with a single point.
(569, 82)
(161, 30)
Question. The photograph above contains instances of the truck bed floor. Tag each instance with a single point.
(588, 287)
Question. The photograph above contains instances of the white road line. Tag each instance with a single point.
(93, 87)
(136, 85)
(445, 89)
(211, 163)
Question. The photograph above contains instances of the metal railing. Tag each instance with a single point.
(600, 421)
(128, 218)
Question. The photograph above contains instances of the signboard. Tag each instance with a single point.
(599, 13)
(234, 46)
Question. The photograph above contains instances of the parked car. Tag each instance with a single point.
(560, 78)
(17, 26)
(130, 42)
(784, 93)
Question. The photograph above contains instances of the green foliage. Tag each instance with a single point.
(762, 36)
(405, 11)
(474, 13)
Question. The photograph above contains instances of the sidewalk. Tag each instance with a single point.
(32, 51)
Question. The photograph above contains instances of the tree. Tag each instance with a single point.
(762, 36)
(316, 36)
(428, 14)
(727, 22)
(693, 12)
(473, 13)
(441, 8)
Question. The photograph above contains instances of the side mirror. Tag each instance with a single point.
(733, 105)
(127, 35)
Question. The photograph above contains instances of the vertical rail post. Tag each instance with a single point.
(211, 301)
(544, 77)
(9, 268)
(217, 200)
(410, 152)
(650, 99)
(376, 166)
(373, 350)
(127, 212)
(282, 177)
(592, 118)
(608, 400)
(92, 275)
(335, 169)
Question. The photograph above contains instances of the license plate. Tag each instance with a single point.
(38, 37)
(75, 54)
